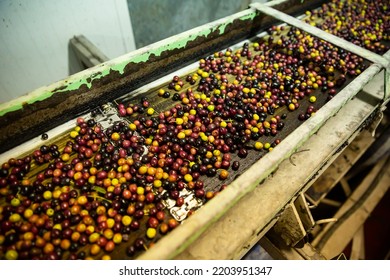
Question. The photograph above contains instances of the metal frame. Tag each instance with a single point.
(180, 243)
(384, 61)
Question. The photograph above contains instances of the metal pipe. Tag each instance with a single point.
(386, 96)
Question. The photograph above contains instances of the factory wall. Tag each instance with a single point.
(34, 38)
(154, 20)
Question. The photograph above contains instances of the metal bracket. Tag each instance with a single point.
(107, 115)
(86, 51)
(190, 203)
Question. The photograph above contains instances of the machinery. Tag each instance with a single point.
(271, 195)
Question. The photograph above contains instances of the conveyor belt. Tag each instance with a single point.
(129, 127)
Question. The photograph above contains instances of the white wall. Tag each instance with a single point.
(34, 37)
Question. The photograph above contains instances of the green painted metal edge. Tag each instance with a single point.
(86, 77)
